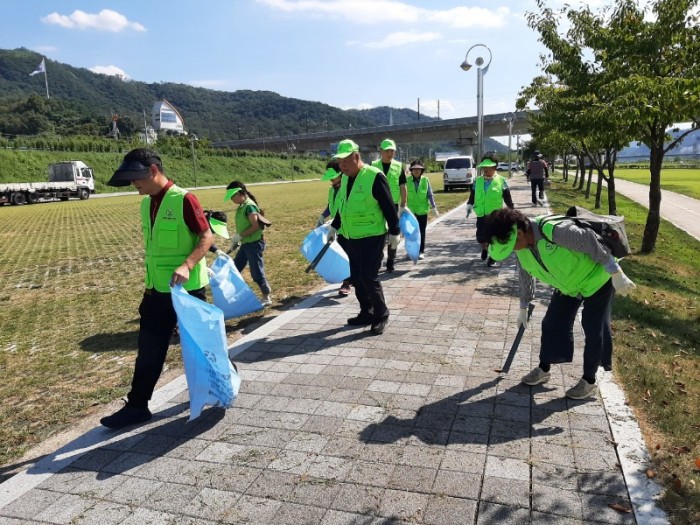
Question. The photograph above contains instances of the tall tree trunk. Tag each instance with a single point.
(651, 230)
(588, 182)
(612, 199)
(599, 189)
(565, 169)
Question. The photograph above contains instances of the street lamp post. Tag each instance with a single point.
(510, 118)
(480, 72)
(193, 139)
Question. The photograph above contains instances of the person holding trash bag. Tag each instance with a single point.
(395, 175)
(334, 175)
(488, 194)
(582, 271)
(249, 234)
(366, 209)
(177, 237)
(420, 199)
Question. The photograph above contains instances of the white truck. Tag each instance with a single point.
(72, 178)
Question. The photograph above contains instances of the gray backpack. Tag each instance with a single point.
(610, 229)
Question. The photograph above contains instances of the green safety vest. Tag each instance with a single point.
(169, 242)
(486, 201)
(243, 222)
(572, 273)
(418, 198)
(360, 213)
(334, 201)
(392, 177)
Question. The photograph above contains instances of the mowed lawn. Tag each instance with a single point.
(683, 181)
(71, 278)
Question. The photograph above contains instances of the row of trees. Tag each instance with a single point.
(627, 72)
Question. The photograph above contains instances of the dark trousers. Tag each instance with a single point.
(422, 223)
(252, 253)
(391, 252)
(365, 257)
(536, 184)
(557, 343)
(158, 320)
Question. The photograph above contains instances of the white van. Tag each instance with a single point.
(459, 172)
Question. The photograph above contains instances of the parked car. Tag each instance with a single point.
(503, 166)
(459, 172)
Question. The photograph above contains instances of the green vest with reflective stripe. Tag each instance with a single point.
(243, 222)
(418, 198)
(572, 273)
(169, 242)
(392, 177)
(491, 199)
(334, 204)
(360, 213)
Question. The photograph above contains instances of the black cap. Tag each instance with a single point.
(136, 166)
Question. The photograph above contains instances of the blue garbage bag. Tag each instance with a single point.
(211, 377)
(229, 290)
(411, 234)
(334, 267)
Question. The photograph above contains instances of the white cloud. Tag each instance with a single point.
(387, 11)
(401, 38)
(45, 49)
(112, 71)
(105, 20)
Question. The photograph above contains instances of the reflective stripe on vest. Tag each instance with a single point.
(418, 198)
(572, 273)
(392, 177)
(168, 243)
(360, 214)
(486, 201)
(243, 222)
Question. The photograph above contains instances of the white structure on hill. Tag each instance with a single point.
(167, 119)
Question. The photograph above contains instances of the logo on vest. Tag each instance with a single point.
(169, 214)
(549, 247)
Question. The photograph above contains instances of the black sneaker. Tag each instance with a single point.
(126, 416)
(484, 254)
(360, 320)
(379, 326)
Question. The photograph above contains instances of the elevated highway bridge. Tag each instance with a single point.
(460, 131)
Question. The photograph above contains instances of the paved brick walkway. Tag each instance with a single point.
(335, 426)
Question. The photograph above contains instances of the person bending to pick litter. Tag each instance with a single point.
(581, 270)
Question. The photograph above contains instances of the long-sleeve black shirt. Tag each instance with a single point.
(382, 194)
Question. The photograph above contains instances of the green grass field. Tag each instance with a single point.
(684, 181)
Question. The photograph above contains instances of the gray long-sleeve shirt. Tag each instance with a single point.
(574, 238)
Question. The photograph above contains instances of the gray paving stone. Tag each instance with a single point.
(32, 503)
(597, 507)
(172, 497)
(551, 500)
(314, 492)
(457, 484)
(370, 473)
(417, 479)
(402, 505)
(105, 513)
(444, 510)
(463, 461)
(295, 514)
(66, 509)
(496, 514)
(272, 484)
(555, 476)
(509, 492)
(361, 499)
(337, 517)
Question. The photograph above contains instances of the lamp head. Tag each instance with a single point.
(479, 61)
(466, 66)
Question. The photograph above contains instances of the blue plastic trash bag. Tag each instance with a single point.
(411, 234)
(211, 378)
(334, 267)
(229, 291)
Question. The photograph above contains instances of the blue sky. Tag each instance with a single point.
(346, 53)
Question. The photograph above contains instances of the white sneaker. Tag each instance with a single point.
(421, 256)
(581, 390)
(267, 300)
(536, 377)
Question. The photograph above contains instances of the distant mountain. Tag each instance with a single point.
(218, 115)
(690, 145)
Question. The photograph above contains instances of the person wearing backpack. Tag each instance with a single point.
(581, 270)
(249, 234)
(334, 175)
(420, 200)
(488, 194)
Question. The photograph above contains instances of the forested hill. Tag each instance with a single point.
(82, 102)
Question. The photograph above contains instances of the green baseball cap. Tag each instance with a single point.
(330, 174)
(230, 193)
(219, 227)
(388, 144)
(500, 250)
(487, 163)
(346, 148)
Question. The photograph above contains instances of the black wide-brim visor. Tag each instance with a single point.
(129, 171)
